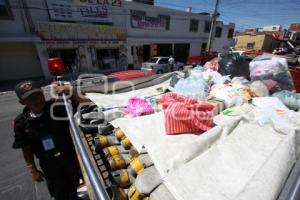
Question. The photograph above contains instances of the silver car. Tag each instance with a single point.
(160, 65)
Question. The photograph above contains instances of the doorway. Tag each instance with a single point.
(107, 58)
(164, 50)
(181, 52)
(146, 53)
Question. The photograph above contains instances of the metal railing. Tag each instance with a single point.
(291, 189)
(98, 189)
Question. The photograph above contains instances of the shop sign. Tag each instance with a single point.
(82, 10)
(82, 32)
(140, 20)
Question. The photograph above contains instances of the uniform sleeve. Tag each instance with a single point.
(21, 139)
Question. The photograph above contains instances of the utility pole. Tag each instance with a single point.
(212, 27)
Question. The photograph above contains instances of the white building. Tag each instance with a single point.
(97, 35)
(270, 28)
(223, 37)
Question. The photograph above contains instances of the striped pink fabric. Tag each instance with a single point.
(186, 115)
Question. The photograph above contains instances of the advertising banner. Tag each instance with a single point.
(82, 10)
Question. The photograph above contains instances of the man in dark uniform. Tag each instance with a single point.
(37, 133)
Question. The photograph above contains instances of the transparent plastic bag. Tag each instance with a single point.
(213, 77)
(259, 89)
(290, 99)
(273, 72)
(270, 110)
(193, 87)
(232, 95)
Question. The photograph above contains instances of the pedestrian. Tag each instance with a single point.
(171, 62)
(38, 134)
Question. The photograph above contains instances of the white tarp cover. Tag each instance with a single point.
(252, 162)
(105, 100)
(168, 152)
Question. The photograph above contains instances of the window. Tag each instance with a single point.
(230, 33)
(250, 45)
(152, 60)
(207, 27)
(107, 58)
(168, 23)
(194, 25)
(5, 11)
(218, 32)
(163, 61)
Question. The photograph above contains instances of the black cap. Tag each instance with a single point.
(25, 88)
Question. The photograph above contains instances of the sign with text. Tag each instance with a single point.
(80, 32)
(82, 10)
(140, 20)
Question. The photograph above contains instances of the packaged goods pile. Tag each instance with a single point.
(200, 134)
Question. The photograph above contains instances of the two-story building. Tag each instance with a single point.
(98, 35)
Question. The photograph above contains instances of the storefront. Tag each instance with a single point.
(83, 47)
(19, 60)
(155, 32)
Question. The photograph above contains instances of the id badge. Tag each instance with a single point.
(48, 143)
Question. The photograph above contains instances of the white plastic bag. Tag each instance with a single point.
(271, 110)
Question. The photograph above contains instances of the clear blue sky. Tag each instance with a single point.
(245, 13)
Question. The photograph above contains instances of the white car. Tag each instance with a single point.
(240, 53)
(160, 65)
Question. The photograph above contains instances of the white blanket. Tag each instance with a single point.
(104, 100)
(251, 163)
(168, 152)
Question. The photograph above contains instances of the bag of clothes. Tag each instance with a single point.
(273, 72)
(186, 115)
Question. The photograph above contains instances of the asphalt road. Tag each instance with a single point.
(15, 180)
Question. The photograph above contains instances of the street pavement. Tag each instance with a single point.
(15, 180)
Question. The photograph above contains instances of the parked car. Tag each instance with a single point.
(202, 59)
(290, 55)
(160, 65)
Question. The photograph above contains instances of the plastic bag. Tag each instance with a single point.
(234, 65)
(213, 65)
(273, 72)
(174, 80)
(290, 99)
(270, 110)
(232, 95)
(259, 89)
(198, 68)
(240, 81)
(213, 77)
(138, 106)
(193, 87)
